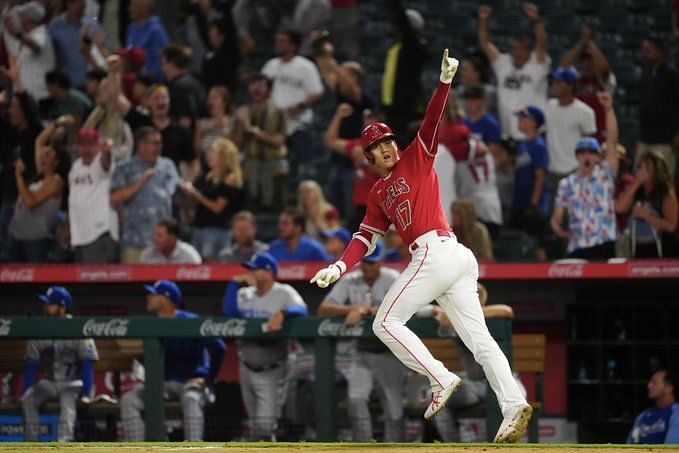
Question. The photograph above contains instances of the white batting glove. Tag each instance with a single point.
(329, 275)
(448, 67)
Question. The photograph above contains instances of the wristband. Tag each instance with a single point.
(341, 266)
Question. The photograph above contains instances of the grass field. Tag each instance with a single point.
(264, 447)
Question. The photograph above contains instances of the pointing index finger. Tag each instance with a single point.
(445, 54)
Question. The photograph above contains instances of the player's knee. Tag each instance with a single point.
(378, 328)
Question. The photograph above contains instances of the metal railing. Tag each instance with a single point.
(323, 331)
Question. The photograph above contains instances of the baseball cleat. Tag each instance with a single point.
(440, 399)
(513, 428)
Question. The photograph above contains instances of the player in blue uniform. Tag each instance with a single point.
(190, 368)
(68, 366)
(659, 424)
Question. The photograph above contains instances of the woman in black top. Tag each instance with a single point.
(652, 203)
(218, 194)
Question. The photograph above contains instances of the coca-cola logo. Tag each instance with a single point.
(292, 272)
(5, 327)
(330, 328)
(194, 273)
(566, 271)
(229, 328)
(19, 274)
(116, 327)
(104, 274)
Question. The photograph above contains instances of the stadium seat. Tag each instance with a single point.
(514, 245)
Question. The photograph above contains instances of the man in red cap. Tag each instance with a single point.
(92, 223)
(440, 269)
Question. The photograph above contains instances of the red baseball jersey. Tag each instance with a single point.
(409, 196)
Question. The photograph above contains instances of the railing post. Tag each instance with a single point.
(493, 413)
(324, 392)
(154, 362)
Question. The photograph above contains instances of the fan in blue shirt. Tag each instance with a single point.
(531, 163)
(658, 424)
(191, 366)
(293, 244)
(478, 120)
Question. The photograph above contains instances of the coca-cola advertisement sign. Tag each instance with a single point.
(558, 270)
(229, 328)
(194, 273)
(331, 328)
(116, 327)
(5, 327)
(17, 274)
(292, 272)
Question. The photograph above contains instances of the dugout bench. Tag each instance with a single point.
(115, 355)
(118, 341)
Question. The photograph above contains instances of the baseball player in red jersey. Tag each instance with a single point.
(441, 269)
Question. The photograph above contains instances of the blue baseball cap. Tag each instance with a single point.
(166, 288)
(568, 75)
(375, 256)
(531, 111)
(264, 261)
(57, 295)
(341, 233)
(588, 144)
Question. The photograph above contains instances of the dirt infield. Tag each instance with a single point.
(318, 447)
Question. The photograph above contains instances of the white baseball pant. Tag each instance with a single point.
(389, 374)
(441, 269)
(44, 390)
(193, 403)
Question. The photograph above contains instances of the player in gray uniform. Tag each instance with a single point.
(355, 296)
(191, 364)
(68, 366)
(263, 363)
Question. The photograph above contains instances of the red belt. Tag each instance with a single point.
(440, 233)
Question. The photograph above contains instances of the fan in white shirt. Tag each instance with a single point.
(522, 76)
(92, 223)
(35, 53)
(568, 119)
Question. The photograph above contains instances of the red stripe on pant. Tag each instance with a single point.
(392, 306)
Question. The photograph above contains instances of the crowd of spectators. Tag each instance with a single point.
(163, 133)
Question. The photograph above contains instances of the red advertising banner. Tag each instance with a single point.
(73, 273)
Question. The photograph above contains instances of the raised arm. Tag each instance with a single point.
(488, 47)
(428, 133)
(332, 139)
(606, 101)
(599, 61)
(541, 39)
(572, 55)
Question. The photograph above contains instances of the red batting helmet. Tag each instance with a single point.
(373, 133)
